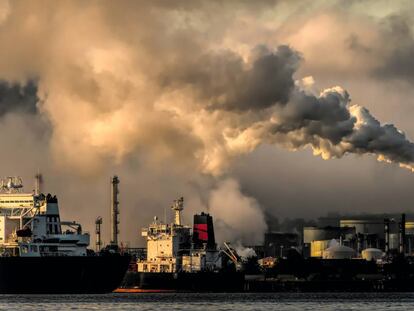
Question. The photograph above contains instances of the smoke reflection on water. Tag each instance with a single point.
(210, 301)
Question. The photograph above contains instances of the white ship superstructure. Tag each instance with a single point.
(30, 224)
(170, 248)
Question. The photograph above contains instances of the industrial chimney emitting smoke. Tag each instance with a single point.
(114, 210)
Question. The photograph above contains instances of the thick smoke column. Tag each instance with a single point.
(334, 127)
(261, 104)
(175, 96)
(241, 219)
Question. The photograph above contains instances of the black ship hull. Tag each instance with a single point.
(62, 275)
(186, 281)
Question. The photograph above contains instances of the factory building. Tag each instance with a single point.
(317, 239)
(409, 235)
(277, 244)
(368, 237)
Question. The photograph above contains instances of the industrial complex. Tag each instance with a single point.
(349, 253)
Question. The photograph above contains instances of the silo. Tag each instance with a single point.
(372, 254)
(338, 252)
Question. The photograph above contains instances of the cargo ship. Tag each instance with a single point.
(182, 258)
(40, 253)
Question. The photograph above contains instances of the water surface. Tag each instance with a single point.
(206, 302)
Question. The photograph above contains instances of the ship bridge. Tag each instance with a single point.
(31, 222)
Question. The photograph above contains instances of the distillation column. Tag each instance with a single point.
(114, 210)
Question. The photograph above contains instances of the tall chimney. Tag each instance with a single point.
(387, 234)
(114, 210)
(402, 234)
(98, 243)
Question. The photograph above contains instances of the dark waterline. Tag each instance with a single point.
(205, 301)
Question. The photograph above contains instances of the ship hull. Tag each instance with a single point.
(186, 281)
(61, 275)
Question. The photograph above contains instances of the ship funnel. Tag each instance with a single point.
(114, 210)
(178, 206)
(203, 231)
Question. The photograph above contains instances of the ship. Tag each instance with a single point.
(181, 258)
(41, 254)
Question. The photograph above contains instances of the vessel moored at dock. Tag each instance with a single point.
(40, 253)
(183, 258)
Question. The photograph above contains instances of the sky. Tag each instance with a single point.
(248, 109)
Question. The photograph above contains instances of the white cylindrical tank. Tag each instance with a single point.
(338, 252)
(371, 254)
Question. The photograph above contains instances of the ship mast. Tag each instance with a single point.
(177, 207)
(38, 183)
(114, 210)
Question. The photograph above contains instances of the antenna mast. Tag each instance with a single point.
(178, 206)
(38, 183)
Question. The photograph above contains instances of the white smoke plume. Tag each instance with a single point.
(244, 252)
(237, 217)
(111, 89)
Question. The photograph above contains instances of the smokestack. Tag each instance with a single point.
(203, 231)
(387, 234)
(98, 243)
(38, 183)
(402, 234)
(114, 210)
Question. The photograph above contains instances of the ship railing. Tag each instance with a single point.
(53, 254)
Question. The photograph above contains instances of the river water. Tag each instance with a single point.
(205, 302)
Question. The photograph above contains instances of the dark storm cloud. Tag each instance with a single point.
(224, 81)
(18, 98)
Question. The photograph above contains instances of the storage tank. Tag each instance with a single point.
(338, 252)
(371, 254)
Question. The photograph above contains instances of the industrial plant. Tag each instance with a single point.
(370, 252)
(343, 253)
